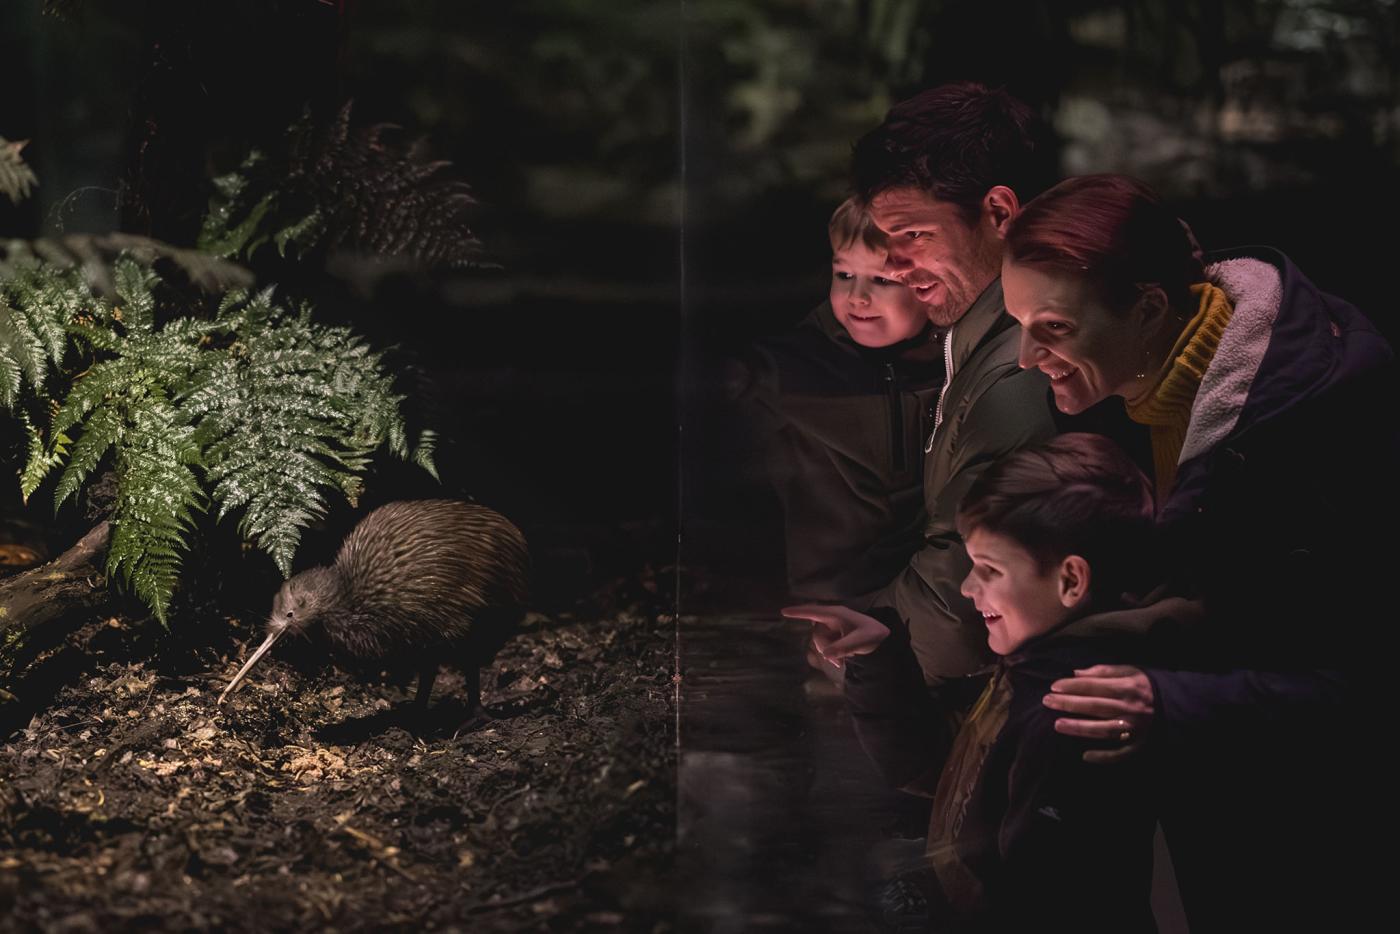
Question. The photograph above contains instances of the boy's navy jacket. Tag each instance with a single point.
(1021, 824)
(842, 429)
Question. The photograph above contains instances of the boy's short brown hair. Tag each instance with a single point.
(851, 224)
(1076, 494)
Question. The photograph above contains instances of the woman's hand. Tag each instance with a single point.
(839, 632)
(1110, 703)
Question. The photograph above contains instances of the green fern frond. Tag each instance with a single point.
(11, 379)
(19, 343)
(101, 380)
(17, 179)
(100, 432)
(90, 257)
(292, 411)
(36, 305)
(240, 240)
(424, 450)
(338, 188)
(158, 492)
(48, 324)
(134, 283)
(285, 417)
(256, 410)
(98, 338)
(42, 459)
(302, 231)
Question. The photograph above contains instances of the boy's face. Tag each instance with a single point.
(876, 311)
(1017, 599)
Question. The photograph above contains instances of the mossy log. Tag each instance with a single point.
(72, 581)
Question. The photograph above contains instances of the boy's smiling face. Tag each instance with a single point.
(1018, 599)
(875, 310)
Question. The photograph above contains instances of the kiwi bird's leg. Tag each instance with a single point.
(473, 676)
(477, 717)
(426, 676)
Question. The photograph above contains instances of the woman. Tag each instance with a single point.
(1274, 454)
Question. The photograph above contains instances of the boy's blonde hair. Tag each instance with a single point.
(851, 224)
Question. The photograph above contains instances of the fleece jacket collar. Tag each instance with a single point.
(1286, 343)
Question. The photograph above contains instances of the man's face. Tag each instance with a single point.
(936, 252)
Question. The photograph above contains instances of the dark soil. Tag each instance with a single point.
(314, 801)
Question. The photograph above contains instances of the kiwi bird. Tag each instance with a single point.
(427, 581)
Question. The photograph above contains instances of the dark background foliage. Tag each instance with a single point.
(654, 178)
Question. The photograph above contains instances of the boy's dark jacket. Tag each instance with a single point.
(842, 429)
(1024, 834)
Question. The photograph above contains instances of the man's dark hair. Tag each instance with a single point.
(1076, 494)
(954, 142)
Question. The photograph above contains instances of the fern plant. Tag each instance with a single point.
(340, 187)
(254, 409)
(16, 178)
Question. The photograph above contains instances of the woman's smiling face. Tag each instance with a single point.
(1088, 351)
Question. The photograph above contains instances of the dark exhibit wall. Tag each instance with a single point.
(1260, 122)
(594, 134)
(650, 185)
(1263, 120)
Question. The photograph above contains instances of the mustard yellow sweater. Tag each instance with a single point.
(1166, 408)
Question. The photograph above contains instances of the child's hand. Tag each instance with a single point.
(839, 632)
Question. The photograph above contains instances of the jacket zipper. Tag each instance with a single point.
(947, 379)
(896, 417)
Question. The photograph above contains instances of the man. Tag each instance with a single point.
(942, 177)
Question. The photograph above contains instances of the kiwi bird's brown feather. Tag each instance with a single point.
(428, 576)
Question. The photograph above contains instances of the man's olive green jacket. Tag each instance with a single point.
(989, 407)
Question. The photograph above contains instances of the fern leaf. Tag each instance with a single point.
(100, 432)
(11, 377)
(49, 325)
(340, 188)
(133, 284)
(302, 231)
(103, 379)
(423, 452)
(158, 492)
(98, 338)
(270, 418)
(89, 258)
(43, 458)
(240, 240)
(17, 180)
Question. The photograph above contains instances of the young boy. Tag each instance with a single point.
(842, 405)
(1025, 834)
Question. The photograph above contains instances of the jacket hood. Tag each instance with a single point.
(1286, 343)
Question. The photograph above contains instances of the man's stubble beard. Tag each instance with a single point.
(960, 298)
(948, 312)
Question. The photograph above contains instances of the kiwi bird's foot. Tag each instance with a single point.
(478, 719)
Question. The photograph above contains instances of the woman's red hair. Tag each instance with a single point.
(1112, 230)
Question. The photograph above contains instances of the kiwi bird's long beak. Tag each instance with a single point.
(242, 672)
